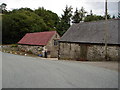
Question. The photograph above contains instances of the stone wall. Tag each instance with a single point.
(51, 48)
(69, 51)
(31, 49)
(97, 52)
(72, 51)
(11, 47)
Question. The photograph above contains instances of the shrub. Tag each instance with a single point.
(14, 45)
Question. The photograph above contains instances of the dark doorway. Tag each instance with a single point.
(83, 52)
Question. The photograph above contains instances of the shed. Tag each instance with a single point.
(39, 42)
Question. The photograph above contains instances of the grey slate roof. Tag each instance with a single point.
(93, 32)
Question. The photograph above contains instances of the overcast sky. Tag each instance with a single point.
(97, 6)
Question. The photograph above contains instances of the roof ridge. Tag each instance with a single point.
(40, 32)
(95, 21)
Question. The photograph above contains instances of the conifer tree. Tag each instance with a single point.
(76, 17)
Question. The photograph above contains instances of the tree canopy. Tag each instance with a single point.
(51, 19)
(79, 15)
(17, 22)
(93, 17)
(89, 18)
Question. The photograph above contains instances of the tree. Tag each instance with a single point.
(89, 18)
(119, 15)
(3, 8)
(76, 17)
(67, 14)
(113, 17)
(25, 9)
(82, 13)
(16, 25)
(18, 22)
(65, 20)
(108, 16)
(50, 18)
(91, 13)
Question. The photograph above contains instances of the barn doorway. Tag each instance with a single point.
(83, 52)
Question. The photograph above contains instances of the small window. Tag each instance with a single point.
(56, 36)
(55, 42)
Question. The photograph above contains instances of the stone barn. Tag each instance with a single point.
(39, 42)
(86, 41)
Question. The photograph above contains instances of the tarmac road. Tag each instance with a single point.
(0, 70)
(31, 72)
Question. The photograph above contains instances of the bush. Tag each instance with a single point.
(14, 45)
(30, 52)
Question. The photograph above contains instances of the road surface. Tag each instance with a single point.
(0, 70)
(33, 72)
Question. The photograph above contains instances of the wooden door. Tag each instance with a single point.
(83, 52)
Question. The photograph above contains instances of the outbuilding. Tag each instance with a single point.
(86, 41)
(40, 42)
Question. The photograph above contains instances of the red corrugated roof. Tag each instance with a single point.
(38, 38)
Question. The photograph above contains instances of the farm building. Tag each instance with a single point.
(39, 42)
(86, 41)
